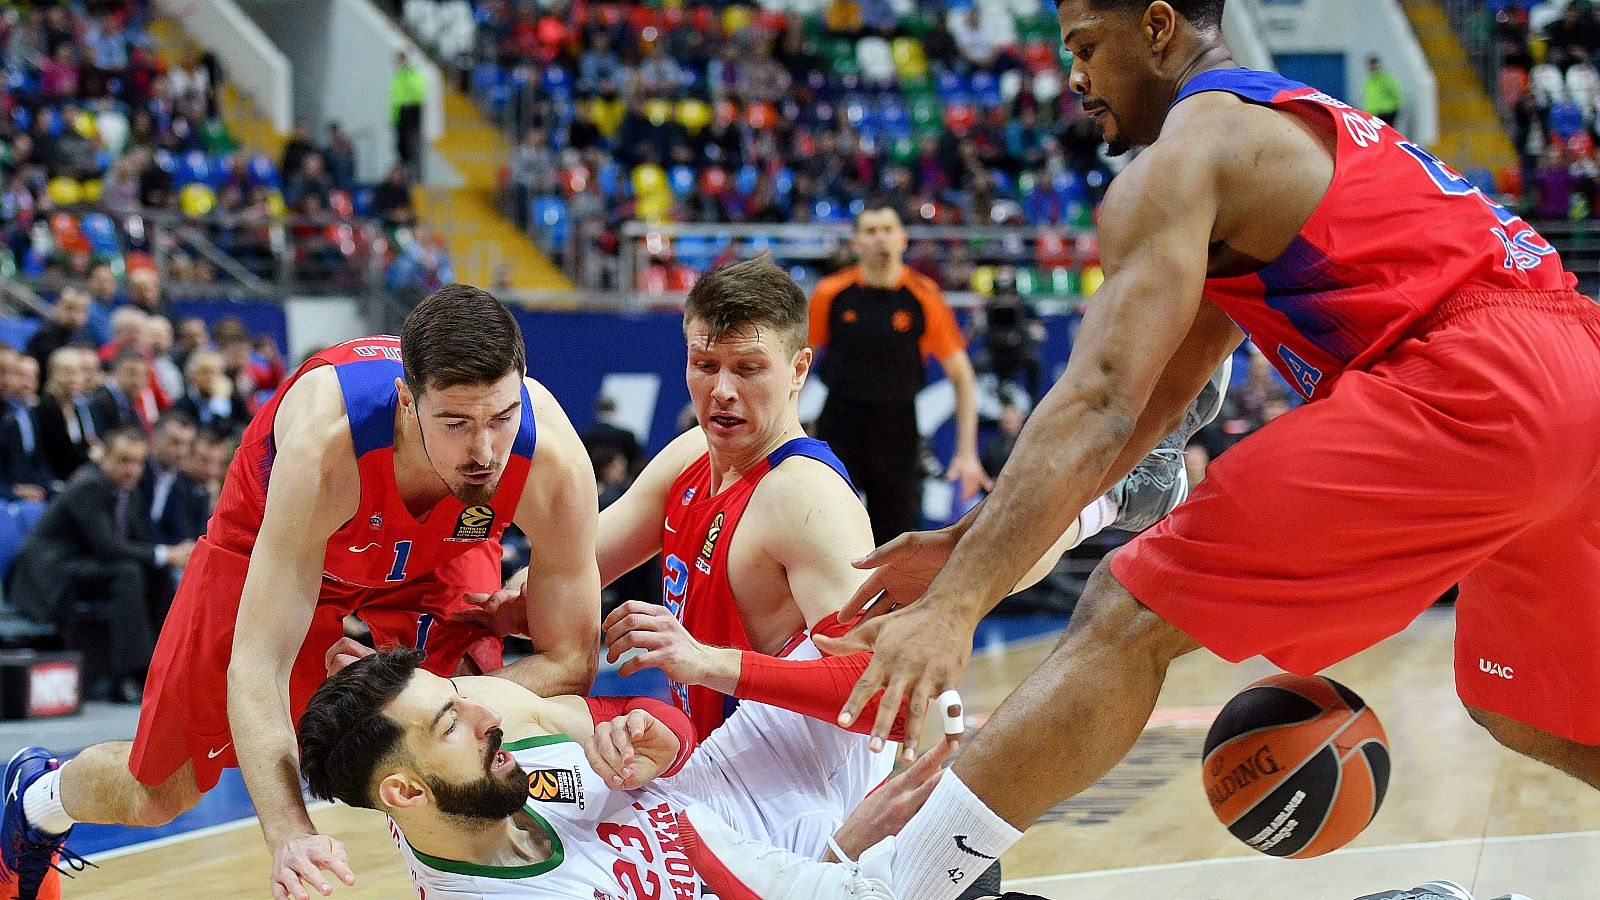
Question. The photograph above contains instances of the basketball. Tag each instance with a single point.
(1296, 766)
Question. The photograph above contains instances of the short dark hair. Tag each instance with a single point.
(753, 293)
(173, 418)
(876, 203)
(460, 334)
(344, 733)
(1204, 13)
(126, 434)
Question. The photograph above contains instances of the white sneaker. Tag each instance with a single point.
(737, 868)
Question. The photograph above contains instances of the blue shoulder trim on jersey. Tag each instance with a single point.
(528, 431)
(1252, 85)
(812, 449)
(369, 402)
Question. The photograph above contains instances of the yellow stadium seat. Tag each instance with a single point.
(983, 280)
(649, 180)
(92, 189)
(197, 200)
(909, 60)
(1093, 277)
(736, 19)
(658, 111)
(693, 115)
(64, 191)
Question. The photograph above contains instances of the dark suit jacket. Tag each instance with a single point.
(184, 516)
(109, 414)
(80, 523)
(55, 442)
(201, 413)
(605, 434)
(17, 464)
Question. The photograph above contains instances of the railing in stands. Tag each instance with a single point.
(1485, 47)
(1579, 246)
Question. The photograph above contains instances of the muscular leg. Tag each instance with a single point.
(96, 786)
(1102, 680)
(1581, 761)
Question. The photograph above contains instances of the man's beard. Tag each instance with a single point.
(476, 494)
(482, 800)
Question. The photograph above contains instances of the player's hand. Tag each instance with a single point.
(901, 570)
(663, 641)
(918, 653)
(887, 810)
(303, 859)
(503, 612)
(629, 751)
(343, 653)
(966, 469)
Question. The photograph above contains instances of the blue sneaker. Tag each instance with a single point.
(27, 854)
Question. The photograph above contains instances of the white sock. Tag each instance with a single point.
(41, 805)
(952, 840)
(1096, 517)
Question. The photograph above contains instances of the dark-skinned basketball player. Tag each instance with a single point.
(1452, 375)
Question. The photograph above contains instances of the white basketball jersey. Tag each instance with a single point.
(604, 844)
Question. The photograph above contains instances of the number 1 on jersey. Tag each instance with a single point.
(402, 552)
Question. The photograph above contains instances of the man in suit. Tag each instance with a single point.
(605, 432)
(210, 397)
(122, 402)
(93, 543)
(68, 317)
(24, 473)
(178, 505)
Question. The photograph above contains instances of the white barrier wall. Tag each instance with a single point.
(254, 65)
(1241, 28)
(343, 56)
(1359, 28)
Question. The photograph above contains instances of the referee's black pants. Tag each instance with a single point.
(880, 448)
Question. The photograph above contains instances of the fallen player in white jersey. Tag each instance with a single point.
(493, 791)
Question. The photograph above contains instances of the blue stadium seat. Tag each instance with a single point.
(362, 200)
(986, 89)
(10, 542)
(681, 180)
(26, 512)
(745, 181)
(17, 332)
(610, 180)
(556, 82)
(102, 234)
(264, 170)
(783, 183)
(550, 214)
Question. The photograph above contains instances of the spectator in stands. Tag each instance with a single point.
(254, 365)
(144, 292)
(206, 463)
(611, 476)
(127, 332)
(66, 326)
(188, 83)
(92, 544)
(340, 154)
(163, 364)
(533, 173)
(391, 200)
(311, 180)
(178, 505)
(1576, 33)
(605, 432)
(125, 400)
(102, 289)
(24, 473)
(210, 397)
(597, 64)
(1380, 93)
(157, 189)
(66, 425)
(1261, 398)
(192, 335)
(977, 49)
(296, 149)
(407, 92)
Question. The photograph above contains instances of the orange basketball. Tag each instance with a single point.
(1295, 766)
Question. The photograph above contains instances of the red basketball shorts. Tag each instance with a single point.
(185, 712)
(1469, 454)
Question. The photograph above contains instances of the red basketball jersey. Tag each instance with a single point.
(1397, 232)
(696, 534)
(382, 544)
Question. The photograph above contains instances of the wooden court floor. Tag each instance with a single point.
(1459, 807)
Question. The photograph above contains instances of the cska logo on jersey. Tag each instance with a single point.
(376, 521)
(687, 496)
(473, 525)
(710, 546)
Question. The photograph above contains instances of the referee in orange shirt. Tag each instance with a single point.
(874, 325)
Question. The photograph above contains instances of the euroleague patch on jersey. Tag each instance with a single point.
(556, 786)
(710, 546)
(474, 523)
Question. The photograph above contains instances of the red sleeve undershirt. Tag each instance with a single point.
(811, 687)
(604, 709)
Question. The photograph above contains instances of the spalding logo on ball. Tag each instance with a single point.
(1296, 766)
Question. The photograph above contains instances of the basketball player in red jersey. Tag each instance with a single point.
(377, 481)
(1452, 373)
